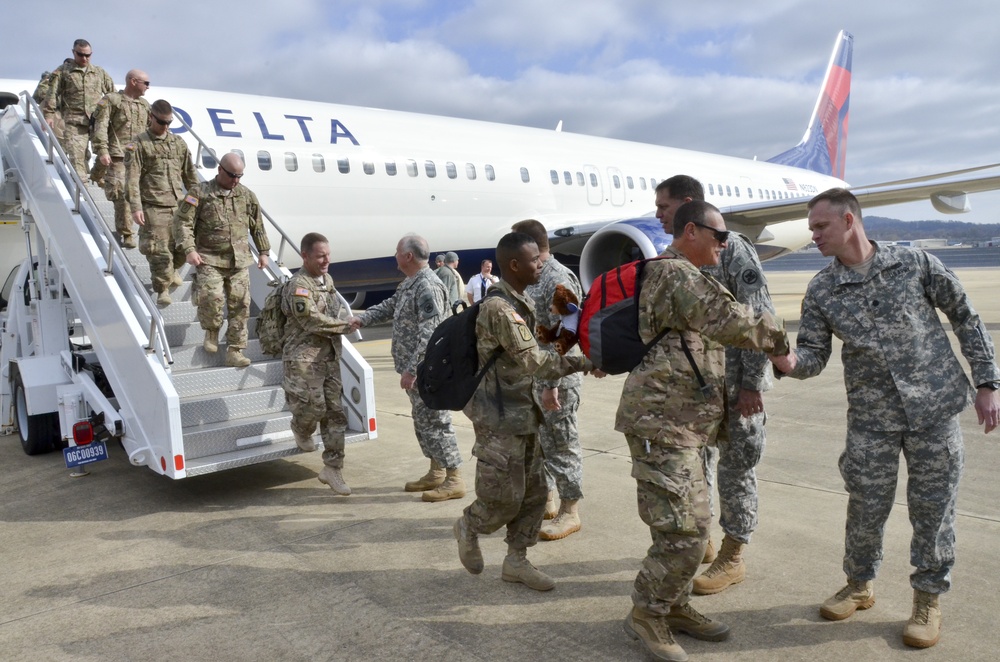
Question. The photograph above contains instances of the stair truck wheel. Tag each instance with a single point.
(39, 433)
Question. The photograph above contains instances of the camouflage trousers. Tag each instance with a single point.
(219, 287)
(434, 431)
(560, 441)
(114, 190)
(673, 502)
(869, 465)
(157, 244)
(75, 142)
(736, 459)
(313, 393)
(510, 487)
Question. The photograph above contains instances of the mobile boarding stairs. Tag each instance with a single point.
(84, 346)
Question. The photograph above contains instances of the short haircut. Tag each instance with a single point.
(485, 262)
(510, 246)
(535, 230)
(682, 186)
(840, 199)
(162, 107)
(81, 43)
(696, 212)
(310, 240)
(414, 243)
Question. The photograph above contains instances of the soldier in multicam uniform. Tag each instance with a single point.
(212, 227)
(41, 93)
(74, 94)
(667, 419)
(119, 118)
(905, 390)
(419, 304)
(317, 319)
(510, 481)
(558, 434)
(158, 171)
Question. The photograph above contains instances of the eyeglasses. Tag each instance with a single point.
(720, 235)
(141, 82)
(231, 174)
(79, 54)
(162, 122)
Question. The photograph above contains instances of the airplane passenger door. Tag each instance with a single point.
(616, 186)
(595, 187)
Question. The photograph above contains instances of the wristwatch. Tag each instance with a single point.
(993, 386)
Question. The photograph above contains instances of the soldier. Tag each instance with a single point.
(74, 93)
(905, 390)
(560, 399)
(41, 93)
(667, 418)
(419, 304)
(451, 278)
(510, 482)
(212, 227)
(317, 319)
(438, 261)
(159, 169)
(119, 117)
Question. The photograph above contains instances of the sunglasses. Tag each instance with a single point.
(231, 174)
(720, 235)
(161, 122)
(79, 54)
(141, 82)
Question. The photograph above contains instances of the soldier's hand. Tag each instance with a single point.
(355, 323)
(139, 217)
(598, 373)
(784, 364)
(406, 381)
(550, 399)
(51, 122)
(749, 403)
(105, 159)
(193, 259)
(988, 408)
(262, 260)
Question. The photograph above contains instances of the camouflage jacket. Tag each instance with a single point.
(740, 272)
(417, 306)
(554, 273)
(220, 226)
(158, 170)
(504, 401)
(899, 367)
(316, 319)
(117, 120)
(41, 92)
(75, 91)
(661, 400)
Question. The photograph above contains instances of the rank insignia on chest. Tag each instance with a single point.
(191, 200)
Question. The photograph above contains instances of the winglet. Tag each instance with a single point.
(824, 146)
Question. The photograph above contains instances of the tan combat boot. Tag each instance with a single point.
(163, 299)
(924, 627)
(468, 547)
(176, 281)
(434, 477)
(654, 633)
(551, 509)
(235, 358)
(727, 569)
(305, 443)
(453, 487)
(690, 621)
(211, 343)
(565, 523)
(517, 568)
(854, 596)
(128, 241)
(331, 476)
(710, 552)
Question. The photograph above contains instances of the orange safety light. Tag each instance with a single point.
(83, 433)
(371, 424)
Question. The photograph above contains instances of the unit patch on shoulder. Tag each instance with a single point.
(525, 333)
(300, 307)
(749, 276)
(191, 200)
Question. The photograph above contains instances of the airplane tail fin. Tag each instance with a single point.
(824, 146)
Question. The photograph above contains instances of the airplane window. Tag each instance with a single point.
(555, 176)
(411, 168)
(749, 192)
(628, 182)
(617, 181)
(490, 173)
(390, 168)
(430, 169)
(568, 178)
(319, 164)
(593, 180)
(642, 183)
(711, 190)
(760, 194)
(525, 177)
(368, 167)
(470, 170)
(451, 169)
(344, 165)
(579, 179)
(239, 153)
(737, 188)
(264, 160)
(208, 158)
(291, 162)
(729, 192)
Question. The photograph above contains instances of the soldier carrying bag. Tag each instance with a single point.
(271, 322)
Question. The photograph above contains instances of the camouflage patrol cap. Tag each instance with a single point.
(451, 256)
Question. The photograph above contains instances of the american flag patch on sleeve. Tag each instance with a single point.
(301, 291)
(191, 200)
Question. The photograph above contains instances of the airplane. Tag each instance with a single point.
(364, 177)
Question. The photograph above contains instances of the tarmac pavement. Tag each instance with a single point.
(265, 563)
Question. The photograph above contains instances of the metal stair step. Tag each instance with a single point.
(216, 408)
(194, 357)
(233, 435)
(219, 380)
(222, 461)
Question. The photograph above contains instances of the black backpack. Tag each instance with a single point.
(450, 373)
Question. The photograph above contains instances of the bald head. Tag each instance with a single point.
(136, 83)
(230, 170)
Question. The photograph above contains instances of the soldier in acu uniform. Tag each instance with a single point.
(158, 170)
(905, 390)
(212, 227)
(419, 304)
(317, 319)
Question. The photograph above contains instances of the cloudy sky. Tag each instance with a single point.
(727, 76)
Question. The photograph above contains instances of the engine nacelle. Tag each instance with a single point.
(951, 202)
(620, 243)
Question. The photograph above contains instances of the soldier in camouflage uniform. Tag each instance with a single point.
(448, 273)
(510, 482)
(419, 304)
(41, 93)
(905, 390)
(74, 94)
(558, 434)
(119, 117)
(317, 319)
(158, 171)
(667, 419)
(212, 227)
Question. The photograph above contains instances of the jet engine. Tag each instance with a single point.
(620, 243)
